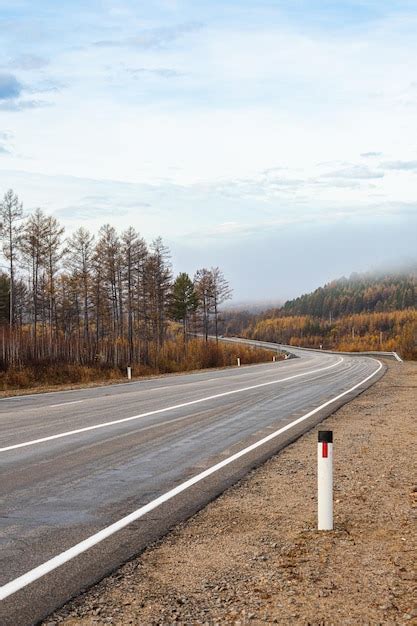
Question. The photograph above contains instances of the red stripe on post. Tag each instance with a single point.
(324, 450)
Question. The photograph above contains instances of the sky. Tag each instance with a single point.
(276, 139)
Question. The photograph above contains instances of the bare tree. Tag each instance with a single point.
(220, 292)
(131, 253)
(141, 298)
(108, 250)
(32, 244)
(80, 249)
(54, 254)
(83, 302)
(158, 277)
(11, 215)
(203, 282)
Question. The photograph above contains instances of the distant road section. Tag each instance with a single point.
(90, 477)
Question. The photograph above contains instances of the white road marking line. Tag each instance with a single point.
(175, 420)
(208, 380)
(26, 579)
(136, 391)
(54, 406)
(131, 383)
(157, 411)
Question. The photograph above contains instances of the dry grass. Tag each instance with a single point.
(175, 357)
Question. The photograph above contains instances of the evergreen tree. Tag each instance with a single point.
(184, 300)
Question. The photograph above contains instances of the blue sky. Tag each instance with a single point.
(277, 139)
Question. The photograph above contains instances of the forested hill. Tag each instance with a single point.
(363, 312)
(361, 293)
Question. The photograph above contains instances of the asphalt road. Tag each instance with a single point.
(74, 463)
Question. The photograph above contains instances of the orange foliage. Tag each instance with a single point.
(174, 356)
(393, 330)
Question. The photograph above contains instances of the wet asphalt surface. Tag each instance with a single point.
(58, 492)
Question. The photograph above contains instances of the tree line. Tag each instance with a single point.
(388, 331)
(363, 312)
(106, 299)
(358, 294)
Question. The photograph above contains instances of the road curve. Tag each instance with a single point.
(90, 477)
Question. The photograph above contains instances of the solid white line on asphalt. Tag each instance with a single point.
(54, 406)
(22, 581)
(206, 380)
(68, 433)
(131, 383)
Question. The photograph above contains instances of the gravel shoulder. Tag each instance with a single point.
(253, 556)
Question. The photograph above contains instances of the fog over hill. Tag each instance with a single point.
(386, 283)
(370, 292)
(252, 307)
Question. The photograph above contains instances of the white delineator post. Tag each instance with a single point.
(238, 361)
(325, 480)
(129, 373)
(274, 358)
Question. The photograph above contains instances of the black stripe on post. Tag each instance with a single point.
(325, 436)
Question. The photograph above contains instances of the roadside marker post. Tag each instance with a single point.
(274, 358)
(325, 480)
(129, 373)
(238, 361)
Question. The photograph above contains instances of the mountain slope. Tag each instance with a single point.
(363, 312)
(358, 294)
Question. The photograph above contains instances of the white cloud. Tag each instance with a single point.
(405, 166)
(355, 172)
(28, 62)
(371, 155)
(253, 123)
(153, 38)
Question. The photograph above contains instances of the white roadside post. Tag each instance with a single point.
(129, 373)
(238, 361)
(325, 480)
(274, 358)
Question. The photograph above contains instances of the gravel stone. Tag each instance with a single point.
(254, 556)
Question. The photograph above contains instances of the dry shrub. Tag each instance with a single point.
(18, 379)
(175, 356)
(50, 375)
(408, 341)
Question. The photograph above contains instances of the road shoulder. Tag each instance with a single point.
(253, 555)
